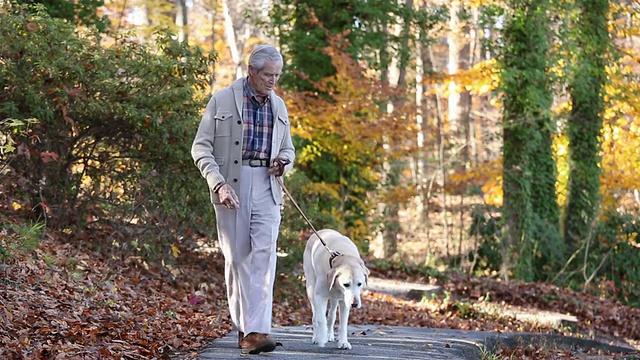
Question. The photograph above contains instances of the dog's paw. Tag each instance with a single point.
(344, 345)
(318, 340)
(331, 338)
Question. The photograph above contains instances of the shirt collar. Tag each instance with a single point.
(251, 94)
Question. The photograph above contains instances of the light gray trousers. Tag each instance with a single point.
(248, 241)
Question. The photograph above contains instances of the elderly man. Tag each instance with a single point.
(242, 144)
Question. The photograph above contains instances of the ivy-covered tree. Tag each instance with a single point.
(530, 214)
(585, 122)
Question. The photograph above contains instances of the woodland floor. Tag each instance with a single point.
(66, 300)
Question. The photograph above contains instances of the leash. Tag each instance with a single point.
(334, 254)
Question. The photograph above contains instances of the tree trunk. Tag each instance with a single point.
(182, 21)
(434, 113)
(585, 122)
(472, 150)
(419, 160)
(453, 64)
(230, 34)
(526, 109)
(392, 228)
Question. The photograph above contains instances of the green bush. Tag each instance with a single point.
(485, 227)
(81, 12)
(619, 236)
(115, 125)
(19, 239)
(538, 258)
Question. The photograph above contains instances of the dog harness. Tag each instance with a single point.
(334, 254)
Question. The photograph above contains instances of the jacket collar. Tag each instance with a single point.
(238, 92)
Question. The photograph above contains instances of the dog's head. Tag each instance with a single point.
(348, 276)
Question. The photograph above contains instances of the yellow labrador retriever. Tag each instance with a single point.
(333, 281)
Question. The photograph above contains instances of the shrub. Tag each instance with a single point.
(538, 258)
(618, 240)
(114, 125)
(19, 239)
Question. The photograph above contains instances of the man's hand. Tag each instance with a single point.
(228, 197)
(277, 166)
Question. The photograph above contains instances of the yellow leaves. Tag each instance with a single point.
(481, 3)
(175, 250)
(359, 230)
(310, 152)
(400, 194)
(481, 79)
(487, 176)
(620, 139)
(620, 160)
(561, 149)
(492, 190)
(323, 189)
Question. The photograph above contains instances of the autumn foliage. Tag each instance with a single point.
(105, 246)
(93, 135)
(346, 131)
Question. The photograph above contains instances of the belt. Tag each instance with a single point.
(256, 162)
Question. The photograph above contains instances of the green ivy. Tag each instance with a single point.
(585, 122)
(529, 170)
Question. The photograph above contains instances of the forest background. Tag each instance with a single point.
(494, 138)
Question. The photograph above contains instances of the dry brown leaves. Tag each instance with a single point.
(66, 302)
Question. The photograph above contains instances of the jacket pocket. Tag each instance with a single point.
(284, 120)
(280, 130)
(220, 160)
(223, 123)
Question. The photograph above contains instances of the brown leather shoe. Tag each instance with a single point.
(255, 343)
(240, 338)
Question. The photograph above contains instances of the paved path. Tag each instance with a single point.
(369, 342)
(392, 342)
(396, 342)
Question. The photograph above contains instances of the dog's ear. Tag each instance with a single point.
(331, 277)
(366, 271)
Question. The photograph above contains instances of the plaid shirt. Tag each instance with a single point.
(258, 126)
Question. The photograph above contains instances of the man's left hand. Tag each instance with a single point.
(277, 166)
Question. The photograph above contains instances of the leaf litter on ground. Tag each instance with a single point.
(64, 301)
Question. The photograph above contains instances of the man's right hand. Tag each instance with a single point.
(277, 166)
(228, 197)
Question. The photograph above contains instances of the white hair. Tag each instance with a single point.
(262, 53)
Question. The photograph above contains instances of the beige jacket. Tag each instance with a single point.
(217, 148)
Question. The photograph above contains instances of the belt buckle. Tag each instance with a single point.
(257, 163)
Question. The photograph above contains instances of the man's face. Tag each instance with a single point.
(264, 80)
